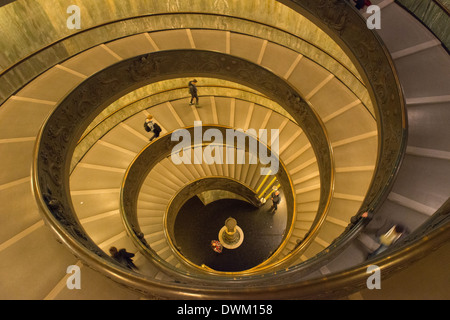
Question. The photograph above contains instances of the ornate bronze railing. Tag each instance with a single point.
(60, 134)
(163, 148)
(19, 74)
(433, 14)
(58, 137)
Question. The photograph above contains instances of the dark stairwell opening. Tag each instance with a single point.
(197, 225)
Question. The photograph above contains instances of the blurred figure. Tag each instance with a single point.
(123, 257)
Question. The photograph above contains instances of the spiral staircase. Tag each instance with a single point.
(340, 152)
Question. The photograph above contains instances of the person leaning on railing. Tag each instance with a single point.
(123, 257)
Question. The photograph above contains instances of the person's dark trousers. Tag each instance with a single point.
(192, 99)
(155, 135)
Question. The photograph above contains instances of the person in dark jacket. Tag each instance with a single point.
(193, 92)
(151, 126)
(123, 257)
(360, 4)
(275, 200)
